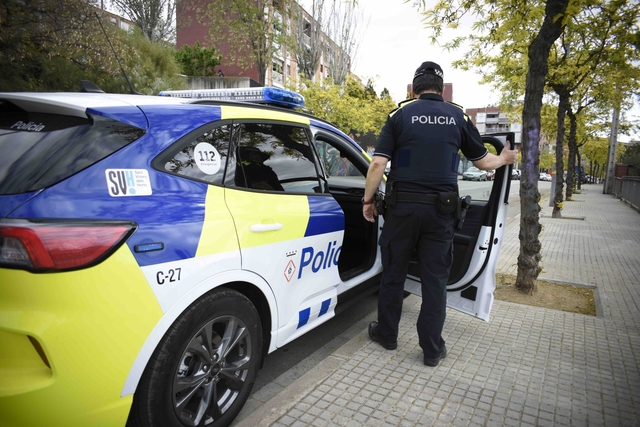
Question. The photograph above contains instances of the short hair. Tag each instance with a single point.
(427, 82)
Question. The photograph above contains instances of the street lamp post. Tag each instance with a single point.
(611, 157)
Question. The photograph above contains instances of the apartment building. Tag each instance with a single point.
(490, 120)
(284, 68)
(116, 20)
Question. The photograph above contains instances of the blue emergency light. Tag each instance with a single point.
(261, 95)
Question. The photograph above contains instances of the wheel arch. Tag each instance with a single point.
(260, 302)
(254, 287)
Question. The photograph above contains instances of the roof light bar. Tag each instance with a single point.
(261, 95)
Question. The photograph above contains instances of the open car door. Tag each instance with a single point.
(476, 246)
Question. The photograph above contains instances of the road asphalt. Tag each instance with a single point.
(527, 366)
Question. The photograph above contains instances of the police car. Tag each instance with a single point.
(154, 249)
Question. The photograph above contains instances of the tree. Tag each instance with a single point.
(330, 34)
(350, 106)
(344, 30)
(198, 60)
(309, 44)
(511, 38)
(255, 30)
(547, 160)
(595, 44)
(155, 18)
(151, 67)
(385, 95)
(51, 44)
(596, 151)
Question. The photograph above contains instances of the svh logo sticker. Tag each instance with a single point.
(128, 182)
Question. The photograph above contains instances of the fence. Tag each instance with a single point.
(627, 189)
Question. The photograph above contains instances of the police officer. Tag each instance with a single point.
(421, 138)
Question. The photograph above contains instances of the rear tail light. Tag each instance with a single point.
(59, 245)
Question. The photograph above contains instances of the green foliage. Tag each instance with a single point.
(491, 148)
(547, 160)
(498, 45)
(596, 51)
(385, 95)
(51, 45)
(351, 107)
(151, 66)
(596, 150)
(198, 60)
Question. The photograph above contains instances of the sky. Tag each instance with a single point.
(395, 43)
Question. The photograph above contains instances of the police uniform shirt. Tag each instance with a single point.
(422, 138)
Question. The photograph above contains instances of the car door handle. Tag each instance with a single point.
(261, 228)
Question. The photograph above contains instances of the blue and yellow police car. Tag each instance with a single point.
(153, 250)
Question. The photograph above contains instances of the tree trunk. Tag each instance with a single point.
(571, 163)
(579, 163)
(529, 258)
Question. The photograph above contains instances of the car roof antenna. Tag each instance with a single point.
(133, 91)
(87, 86)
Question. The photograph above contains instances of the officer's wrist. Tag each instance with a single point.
(366, 203)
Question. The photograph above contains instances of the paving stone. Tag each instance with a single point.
(528, 366)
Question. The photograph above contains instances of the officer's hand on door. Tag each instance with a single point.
(509, 156)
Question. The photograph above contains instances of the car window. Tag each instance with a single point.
(480, 184)
(201, 156)
(272, 157)
(40, 150)
(335, 163)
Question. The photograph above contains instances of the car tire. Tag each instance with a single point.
(188, 382)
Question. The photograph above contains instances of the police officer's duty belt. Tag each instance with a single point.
(429, 199)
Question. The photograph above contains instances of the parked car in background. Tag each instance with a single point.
(545, 176)
(474, 174)
(515, 174)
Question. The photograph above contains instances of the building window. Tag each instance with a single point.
(276, 71)
(307, 28)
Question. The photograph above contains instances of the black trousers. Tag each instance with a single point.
(416, 228)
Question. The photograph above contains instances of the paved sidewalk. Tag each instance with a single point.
(528, 366)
